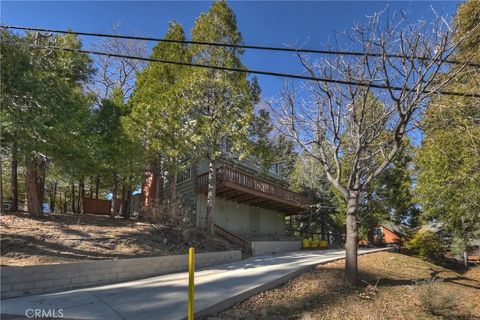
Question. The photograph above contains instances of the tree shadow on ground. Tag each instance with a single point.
(333, 293)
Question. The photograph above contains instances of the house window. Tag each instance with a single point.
(184, 175)
(378, 232)
(275, 168)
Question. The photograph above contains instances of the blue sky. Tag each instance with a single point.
(273, 23)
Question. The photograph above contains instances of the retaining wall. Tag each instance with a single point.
(19, 281)
(260, 248)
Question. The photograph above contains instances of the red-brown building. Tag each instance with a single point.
(386, 233)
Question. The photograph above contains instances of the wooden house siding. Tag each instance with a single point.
(241, 218)
(253, 211)
(185, 191)
(389, 236)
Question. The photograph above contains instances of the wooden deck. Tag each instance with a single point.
(241, 187)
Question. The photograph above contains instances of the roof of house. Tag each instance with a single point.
(398, 229)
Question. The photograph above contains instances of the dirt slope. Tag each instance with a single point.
(63, 238)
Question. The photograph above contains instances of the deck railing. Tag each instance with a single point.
(226, 174)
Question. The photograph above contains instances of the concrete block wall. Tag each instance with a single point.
(20, 281)
(260, 248)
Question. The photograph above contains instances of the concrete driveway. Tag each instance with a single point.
(165, 297)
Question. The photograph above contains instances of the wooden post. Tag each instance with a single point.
(191, 284)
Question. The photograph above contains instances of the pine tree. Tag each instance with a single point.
(160, 117)
(44, 106)
(449, 159)
(222, 102)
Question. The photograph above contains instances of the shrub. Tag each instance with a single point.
(162, 215)
(433, 299)
(426, 244)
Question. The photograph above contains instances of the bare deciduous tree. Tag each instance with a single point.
(114, 71)
(354, 131)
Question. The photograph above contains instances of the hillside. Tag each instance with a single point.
(62, 238)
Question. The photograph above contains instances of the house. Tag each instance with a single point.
(251, 202)
(385, 234)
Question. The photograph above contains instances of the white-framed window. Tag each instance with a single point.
(275, 168)
(184, 175)
(378, 232)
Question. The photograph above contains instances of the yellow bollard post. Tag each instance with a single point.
(191, 284)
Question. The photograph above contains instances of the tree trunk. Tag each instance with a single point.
(113, 210)
(90, 189)
(465, 259)
(172, 187)
(65, 204)
(352, 238)
(53, 197)
(123, 197)
(97, 183)
(128, 199)
(14, 180)
(74, 210)
(81, 194)
(34, 204)
(60, 200)
(211, 196)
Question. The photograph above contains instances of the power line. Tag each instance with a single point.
(241, 46)
(250, 71)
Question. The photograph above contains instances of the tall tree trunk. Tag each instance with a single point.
(465, 259)
(14, 180)
(172, 188)
(123, 197)
(211, 196)
(60, 200)
(128, 199)
(73, 198)
(81, 194)
(34, 204)
(352, 238)
(53, 197)
(113, 210)
(65, 204)
(97, 183)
